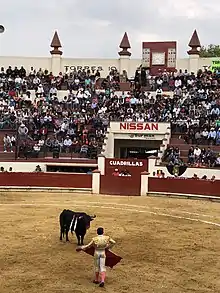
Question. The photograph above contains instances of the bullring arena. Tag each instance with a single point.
(153, 186)
(167, 245)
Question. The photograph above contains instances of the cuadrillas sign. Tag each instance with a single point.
(126, 163)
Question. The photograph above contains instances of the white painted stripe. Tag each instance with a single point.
(137, 206)
(118, 208)
(76, 221)
(72, 223)
(183, 195)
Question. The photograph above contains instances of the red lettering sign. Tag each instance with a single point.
(139, 126)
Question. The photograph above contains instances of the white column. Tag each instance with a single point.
(165, 142)
(162, 147)
(167, 136)
(151, 164)
(56, 64)
(124, 64)
(101, 164)
(193, 63)
(144, 183)
(96, 176)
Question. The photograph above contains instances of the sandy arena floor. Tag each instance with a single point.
(167, 245)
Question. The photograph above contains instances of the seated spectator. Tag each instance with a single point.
(67, 144)
(38, 169)
(217, 161)
(195, 176)
(197, 153)
(204, 136)
(84, 150)
(7, 143)
(13, 140)
(212, 136)
(191, 156)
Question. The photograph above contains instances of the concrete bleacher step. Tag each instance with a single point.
(7, 156)
(63, 155)
(177, 135)
(177, 141)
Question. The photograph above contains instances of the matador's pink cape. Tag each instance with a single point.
(111, 258)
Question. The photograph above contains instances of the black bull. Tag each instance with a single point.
(74, 222)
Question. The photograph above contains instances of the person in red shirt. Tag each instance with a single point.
(116, 173)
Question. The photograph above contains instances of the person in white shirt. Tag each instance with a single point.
(205, 134)
(178, 83)
(159, 92)
(67, 143)
(18, 80)
(53, 91)
(36, 148)
(39, 91)
(7, 143)
(47, 119)
(197, 153)
(36, 81)
(80, 94)
(212, 136)
(41, 142)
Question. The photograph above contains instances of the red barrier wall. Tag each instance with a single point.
(184, 186)
(134, 166)
(46, 180)
(120, 185)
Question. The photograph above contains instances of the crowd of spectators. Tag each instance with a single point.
(197, 157)
(77, 122)
(73, 124)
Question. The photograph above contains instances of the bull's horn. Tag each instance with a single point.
(93, 217)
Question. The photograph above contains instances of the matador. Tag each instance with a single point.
(100, 244)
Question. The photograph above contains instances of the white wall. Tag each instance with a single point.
(31, 166)
(26, 62)
(130, 64)
(200, 172)
(104, 64)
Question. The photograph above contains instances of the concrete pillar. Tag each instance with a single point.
(162, 147)
(124, 64)
(151, 164)
(193, 63)
(96, 177)
(56, 64)
(167, 136)
(101, 164)
(144, 183)
(165, 142)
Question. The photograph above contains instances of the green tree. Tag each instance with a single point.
(210, 51)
